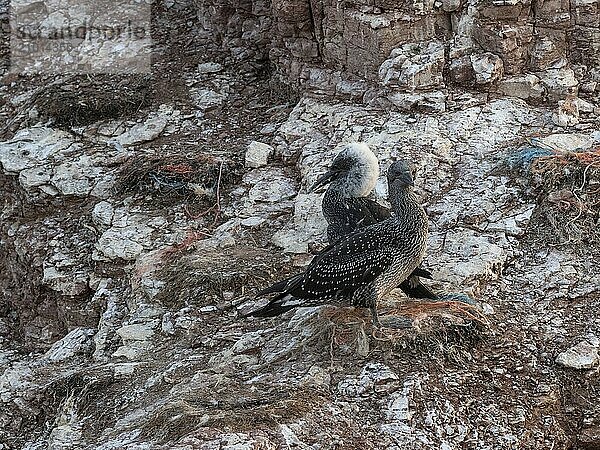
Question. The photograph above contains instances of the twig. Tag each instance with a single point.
(218, 204)
(331, 345)
(202, 214)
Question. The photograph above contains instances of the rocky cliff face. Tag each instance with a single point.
(131, 238)
(537, 50)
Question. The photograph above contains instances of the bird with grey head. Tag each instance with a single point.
(364, 265)
(352, 176)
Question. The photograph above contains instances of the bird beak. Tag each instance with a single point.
(323, 180)
(406, 179)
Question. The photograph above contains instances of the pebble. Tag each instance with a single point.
(581, 356)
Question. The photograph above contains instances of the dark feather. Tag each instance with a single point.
(280, 286)
(355, 260)
(413, 287)
(377, 211)
(350, 214)
(334, 274)
(275, 307)
(423, 273)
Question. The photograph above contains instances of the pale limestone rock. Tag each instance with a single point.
(125, 369)
(588, 87)
(136, 339)
(373, 377)
(398, 408)
(253, 221)
(257, 154)
(317, 377)
(488, 67)
(128, 236)
(566, 141)
(427, 101)
(64, 436)
(308, 226)
(269, 186)
(207, 99)
(33, 147)
(76, 342)
(567, 113)
(35, 177)
(75, 178)
(148, 130)
(414, 66)
(51, 161)
(584, 106)
(125, 242)
(581, 356)
(559, 83)
(222, 237)
(290, 438)
(103, 213)
(210, 67)
(136, 331)
(522, 86)
(65, 282)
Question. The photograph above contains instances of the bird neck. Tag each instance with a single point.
(333, 202)
(403, 200)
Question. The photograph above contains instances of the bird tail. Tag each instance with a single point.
(281, 303)
(280, 286)
(277, 306)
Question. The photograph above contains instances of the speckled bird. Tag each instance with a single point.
(351, 177)
(361, 267)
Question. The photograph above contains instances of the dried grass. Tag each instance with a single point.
(439, 329)
(568, 184)
(193, 279)
(197, 178)
(237, 411)
(82, 100)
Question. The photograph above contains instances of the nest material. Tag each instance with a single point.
(438, 328)
(522, 159)
(568, 185)
(204, 278)
(87, 99)
(194, 175)
(236, 409)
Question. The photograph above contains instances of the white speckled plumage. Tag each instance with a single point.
(361, 267)
(347, 209)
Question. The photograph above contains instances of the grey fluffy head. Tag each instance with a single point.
(401, 174)
(353, 172)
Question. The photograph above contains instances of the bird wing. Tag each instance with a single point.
(354, 215)
(354, 260)
(412, 286)
(359, 212)
(377, 211)
(423, 273)
(278, 305)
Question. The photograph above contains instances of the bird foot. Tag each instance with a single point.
(398, 322)
(457, 298)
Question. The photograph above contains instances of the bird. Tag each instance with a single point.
(352, 176)
(361, 267)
